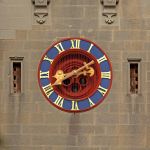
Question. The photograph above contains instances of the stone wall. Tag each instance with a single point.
(121, 122)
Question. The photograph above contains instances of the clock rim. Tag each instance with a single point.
(100, 100)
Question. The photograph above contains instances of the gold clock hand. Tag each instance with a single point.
(60, 76)
(86, 65)
(90, 72)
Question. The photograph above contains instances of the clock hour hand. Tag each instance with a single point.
(60, 76)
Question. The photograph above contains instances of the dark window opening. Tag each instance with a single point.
(14, 77)
(17, 77)
(134, 78)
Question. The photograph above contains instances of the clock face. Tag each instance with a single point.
(75, 75)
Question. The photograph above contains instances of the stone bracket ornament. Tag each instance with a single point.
(40, 10)
(109, 10)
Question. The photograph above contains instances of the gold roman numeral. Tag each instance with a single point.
(59, 101)
(48, 90)
(75, 105)
(91, 102)
(90, 48)
(59, 47)
(101, 59)
(102, 90)
(44, 74)
(75, 43)
(48, 59)
(106, 75)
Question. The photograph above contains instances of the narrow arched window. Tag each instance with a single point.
(16, 75)
(134, 76)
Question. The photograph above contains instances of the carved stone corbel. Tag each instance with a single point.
(109, 10)
(40, 10)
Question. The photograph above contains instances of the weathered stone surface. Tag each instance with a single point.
(29, 122)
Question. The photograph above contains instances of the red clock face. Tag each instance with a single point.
(80, 85)
(75, 75)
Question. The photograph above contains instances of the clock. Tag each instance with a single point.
(75, 75)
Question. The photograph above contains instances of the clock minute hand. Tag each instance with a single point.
(75, 72)
(86, 65)
(72, 73)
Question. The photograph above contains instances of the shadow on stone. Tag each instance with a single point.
(73, 129)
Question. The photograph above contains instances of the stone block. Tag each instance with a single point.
(76, 33)
(72, 148)
(104, 107)
(66, 23)
(40, 129)
(148, 108)
(135, 24)
(21, 35)
(77, 2)
(134, 45)
(116, 86)
(128, 24)
(36, 118)
(16, 140)
(91, 12)
(114, 108)
(59, 34)
(33, 85)
(67, 12)
(134, 55)
(105, 140)
(145, 10)
(28, 107)
(138, 119)
(140, 108)
(135, 130)
(77, 129)
(116, 66)
(105, 148)
(44, 106)
(7, 34)
(36, 96)
(99, 130)
(107, 119)
(18, 2)
(23, 147)
(17, 11)
(77, 23)
(53, 140)
(89, 24)
(146, 45)
(132, 108)
(61, 118)
(127, 9)
(129, 148)
(130, 35)
(8, 118)
(148, 76)
(40, 35)
(139, 141)
(10, 23)
(105, 35)
(83, 140)
(117, 75)
(9, 45)
(36, 45)
(112, 130)
(115, 56)
(108, 46)
(11, 129)
(124, 119)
